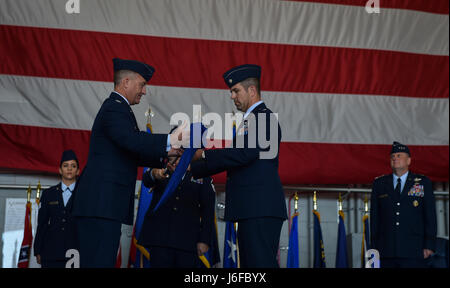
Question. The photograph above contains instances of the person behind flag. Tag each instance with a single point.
(254, 194)
(106, 190)
(402, 214)
(179, 231)
(56, 231)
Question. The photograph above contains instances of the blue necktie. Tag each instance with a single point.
(398, 188)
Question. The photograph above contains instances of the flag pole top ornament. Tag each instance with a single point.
(29, 193)
(149, 114)
(315, 201)
(366, 204)
(38, 192)
(296, 202)
(340, 202)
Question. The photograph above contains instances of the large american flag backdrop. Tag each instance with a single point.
(345, 83)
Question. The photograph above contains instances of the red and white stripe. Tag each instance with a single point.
(344, 83)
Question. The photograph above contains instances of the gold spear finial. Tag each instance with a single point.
(29, 193)
(38, 192)
(340, 202)
(149, 114)
(295, 202)
(315, 201)
(366, 204)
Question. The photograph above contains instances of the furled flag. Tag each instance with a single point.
(293, 257)
(139, 256)
(212, 257)
(319, 251)
(341, 252)
(230, 255)
(25, 249)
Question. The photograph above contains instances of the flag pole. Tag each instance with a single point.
(149, 114)
(363, 244)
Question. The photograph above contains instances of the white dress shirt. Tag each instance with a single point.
(67, 192)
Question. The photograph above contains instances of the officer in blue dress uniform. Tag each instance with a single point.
(402, 214)
(254, 194)
(55, 232)
(104, 198)
(181, 229)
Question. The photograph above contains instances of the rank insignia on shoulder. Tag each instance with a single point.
(118, 101)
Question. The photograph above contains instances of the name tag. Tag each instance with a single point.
(53, 203)
(382, 196)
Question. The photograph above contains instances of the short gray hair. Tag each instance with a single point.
(120, 74)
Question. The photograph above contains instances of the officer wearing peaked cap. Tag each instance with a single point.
(254, 194)
(403, 214)
(56, 233)
(105, 196)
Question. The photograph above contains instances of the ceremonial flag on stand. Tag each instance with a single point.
(25, 249)
(139, 256)
(212, 257)
(341, 252)
(319, 251)
(230, 256)
(293, 256)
